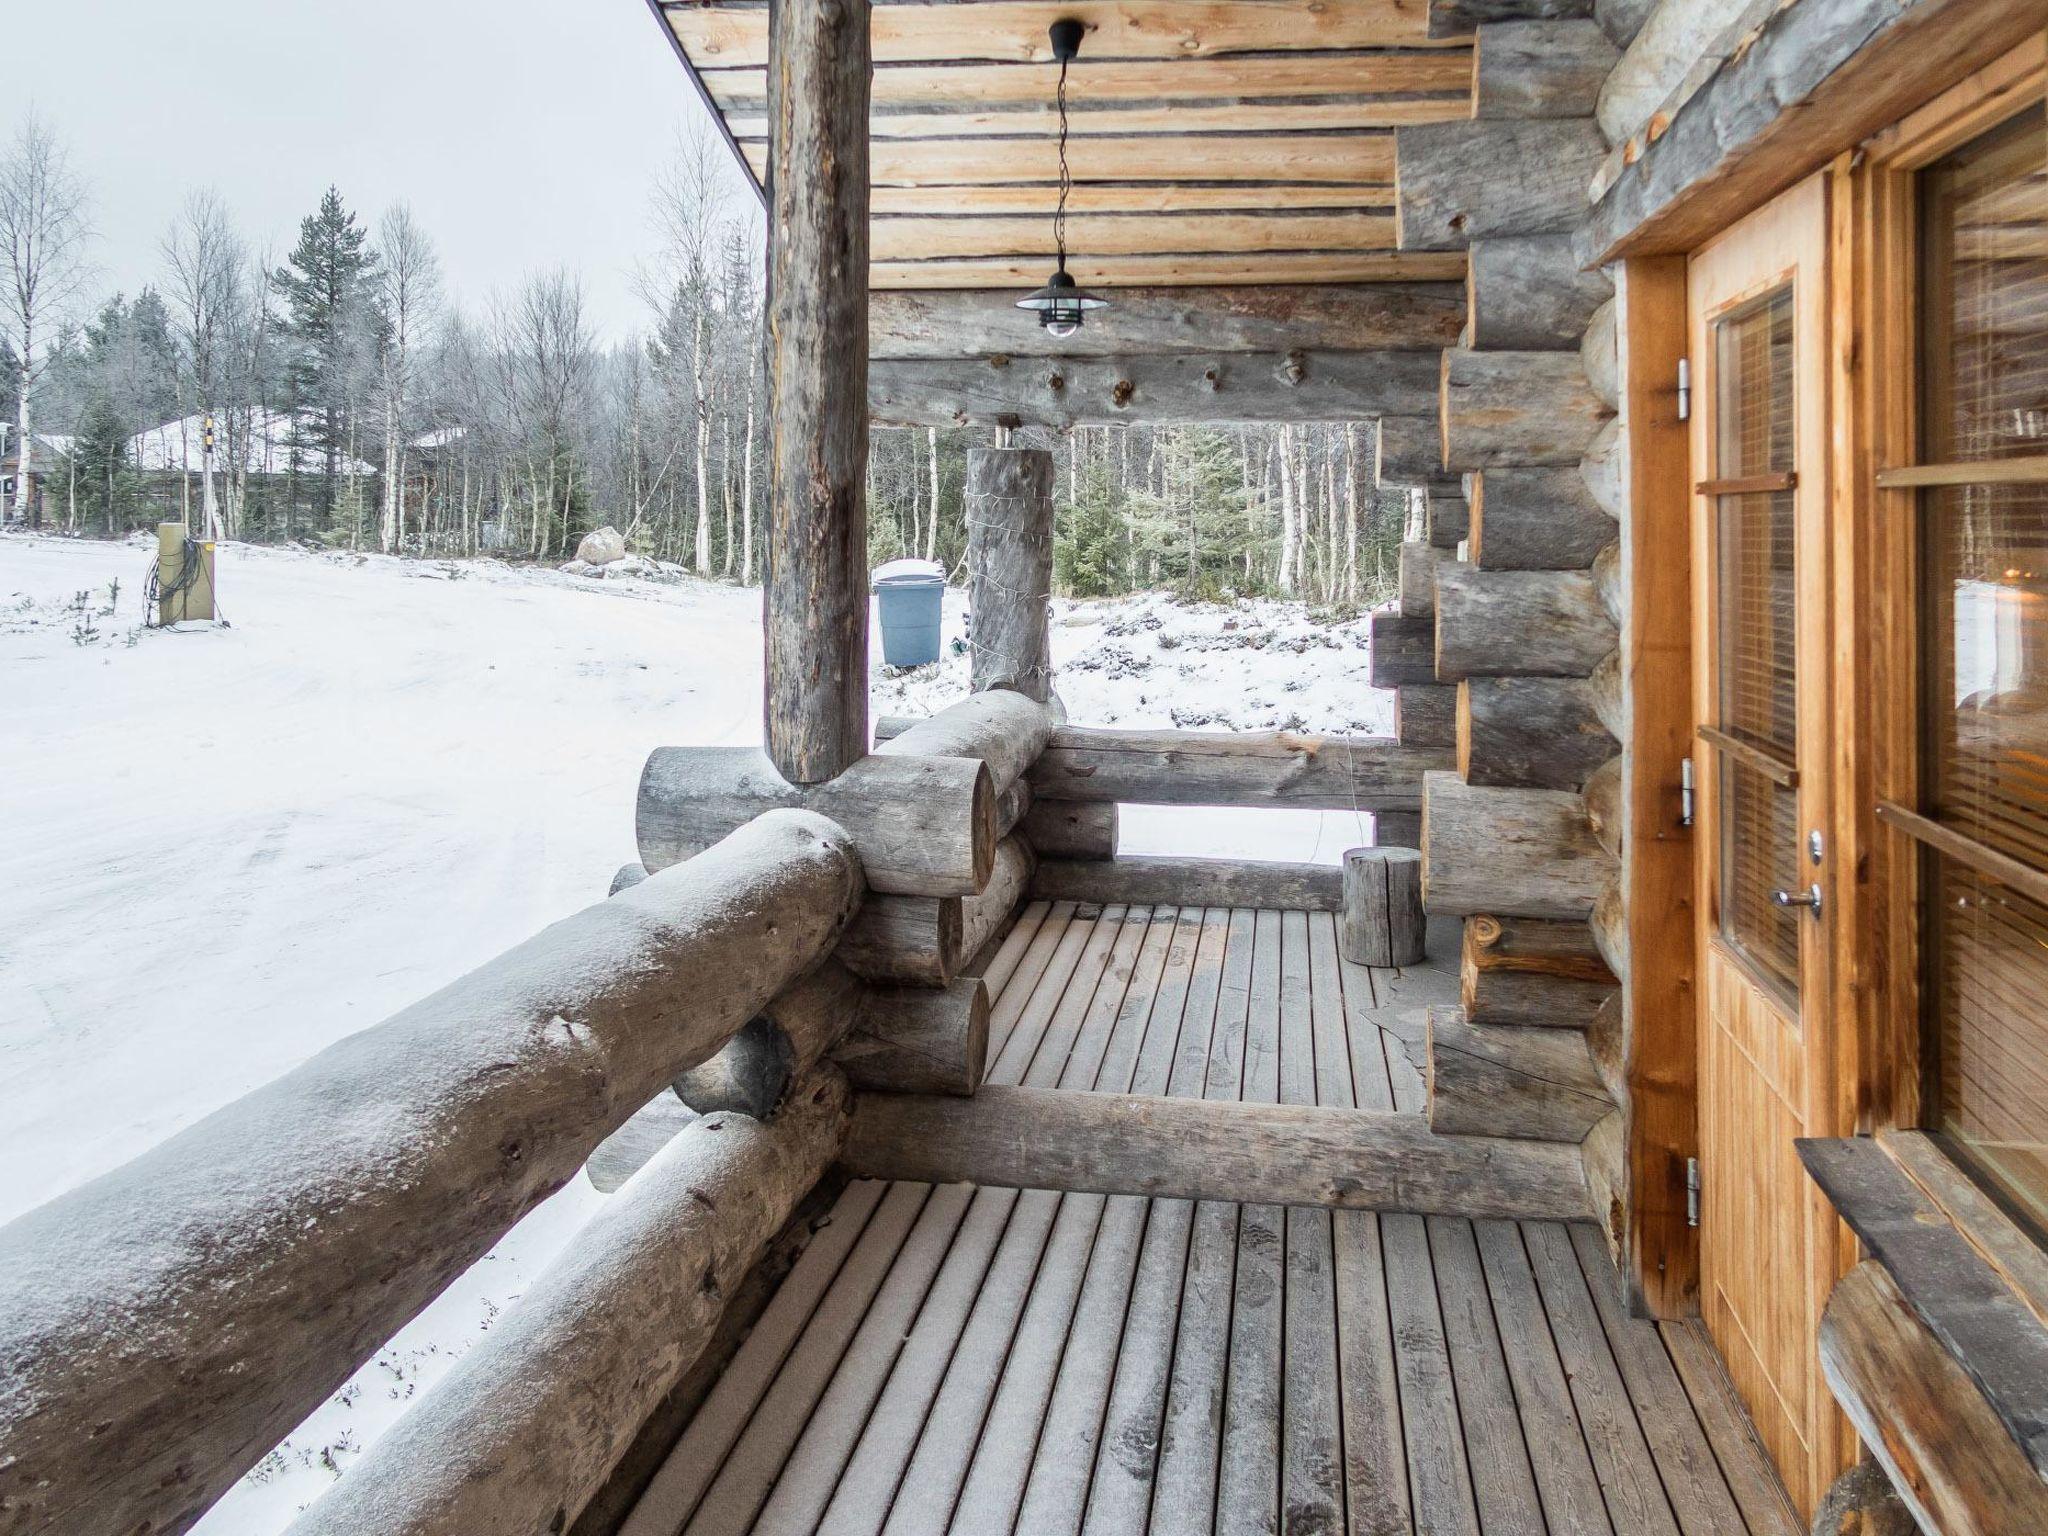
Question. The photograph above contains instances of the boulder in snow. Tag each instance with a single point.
(602, 546)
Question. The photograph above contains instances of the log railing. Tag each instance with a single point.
(164, 1326)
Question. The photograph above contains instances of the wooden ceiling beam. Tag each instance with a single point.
(1170, 116)
(1119, 272)
(1097, 235)
(1361, 159)
(1132, 198)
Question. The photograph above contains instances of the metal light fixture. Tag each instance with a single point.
(1061, 302)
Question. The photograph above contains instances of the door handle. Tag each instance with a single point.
(1811, 899)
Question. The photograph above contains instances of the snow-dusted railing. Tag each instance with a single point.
(164, 1326)
(1281, 770)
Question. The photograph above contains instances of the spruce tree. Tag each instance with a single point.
(328, 295)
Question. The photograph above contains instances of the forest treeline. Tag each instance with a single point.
(355, 404)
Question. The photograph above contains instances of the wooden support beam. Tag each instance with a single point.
(1003, 727)
(1196, 1149)
(1525, 69)
(1460, 182)
(1538, 1084)
(1518, 624)
(1152, 390)
(1071, 829)
(919, 1040)
(1517, 408)
(1531, 974)
(258, 1257)
(1529, 732)
(1527, 294)
(1403, 650)
(1147, 881)
(1171, 322)
(924, 826)
(817, 583)
(1513, 852)
(1546, 519)
(1009, 569)
(525, 1427)
(1247, 768)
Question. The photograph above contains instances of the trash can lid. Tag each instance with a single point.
(909, 572)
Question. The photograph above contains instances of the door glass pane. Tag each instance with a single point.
(1984, 562)
(1755, 582)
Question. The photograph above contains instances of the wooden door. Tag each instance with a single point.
(1758, 321)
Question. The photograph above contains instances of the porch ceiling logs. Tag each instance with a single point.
(1204, 387)
(1071, 829)
(1526, 293)
(1312, 318)
(523, 1430)
(1810, 82)
(1534, 69)
(1529, 732)
(258, 1257)
(1180, 882)
(1510, 852)
(817, 308)
(1536, 519)
(1461, 182)
(1518, 624)
(1175, 268)
(919, 1039)
(1486, 1079)
(1517, 408)
(1531, 974)
(1289, 769)
(1207, 1149)
(1454, 18)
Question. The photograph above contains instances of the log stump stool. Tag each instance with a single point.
(1382, 919)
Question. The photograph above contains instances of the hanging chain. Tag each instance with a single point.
(1059, 218)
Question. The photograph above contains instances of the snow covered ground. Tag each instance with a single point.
(227, 848)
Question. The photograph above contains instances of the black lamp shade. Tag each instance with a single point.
(1060, 304)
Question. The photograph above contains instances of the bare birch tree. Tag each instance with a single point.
(410, 292)
(43, 238)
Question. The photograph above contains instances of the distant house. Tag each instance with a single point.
(178, 448)
(47, 460)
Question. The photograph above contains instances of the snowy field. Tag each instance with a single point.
(227, 848)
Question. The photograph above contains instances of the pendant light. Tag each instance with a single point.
(1061, 303)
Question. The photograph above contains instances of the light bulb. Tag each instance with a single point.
(1062, 328)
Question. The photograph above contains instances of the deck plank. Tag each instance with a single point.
(1503, 1486)
(1439, 1481)
(1021, 985)
(1084, 1061)
(1084, 942)
(1766, 1507)
(1046, 1034)
(1002, 964)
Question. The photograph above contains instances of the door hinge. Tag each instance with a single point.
(1685, 792)
(1692, 1191)
(1685, 389)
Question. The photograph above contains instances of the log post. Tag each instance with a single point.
(1382, 919)
(1529, 732)
(912, 939)
(1532, 974)
(1516, 852)
(1009, 569)
(522, 1432)
(816, 600)
(1518, 624)
(917, 1040)
(1493, 1080)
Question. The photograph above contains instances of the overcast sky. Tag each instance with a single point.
(523, 132)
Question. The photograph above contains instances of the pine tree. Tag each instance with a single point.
(328, 296)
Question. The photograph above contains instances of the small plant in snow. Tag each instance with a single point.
(83, 630)
(113, 597)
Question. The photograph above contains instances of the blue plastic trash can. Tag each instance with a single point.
(911, 596)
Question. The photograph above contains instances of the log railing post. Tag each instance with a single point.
(1009, 568)
(816, 595)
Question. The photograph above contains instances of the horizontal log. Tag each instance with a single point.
(758, 1067)
(923, 826)
(1408, 450)
(919, 1040)
(1609, 922)
(1455, 183)
(1289, 769)
(1513, 852)
(913, 939)
(626, 877)
(1447, 516)
(1537, 1084)
(1071, 829)
(1600, 354)
(1403, 650)
(1526, 293)
(982, 916)
(1194, 1149)
(1517, 408)
(524, 1428)
(1321, 317)
(1426, 715)
(633, 1145)
(1925, 1420)
(1604, 468)
(1529, 732)
(1610, 698)
(255, 1259)
(1604, 812)
(1536, 519)
(1417, 578)
(1531, 974)
(1179, 882)
(1524, 69)
(1609, 582)
(1455, 18)
(1518, 624)
(999, 727)
(1197, 387)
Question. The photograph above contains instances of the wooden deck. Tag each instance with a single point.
(989, 1361)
